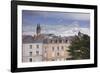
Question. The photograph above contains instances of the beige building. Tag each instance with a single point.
(55, 49)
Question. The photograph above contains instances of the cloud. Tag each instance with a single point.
(28, 28)
(28, 33)
(60, 30)
(59, 23)
(79, 16)
(57, 15)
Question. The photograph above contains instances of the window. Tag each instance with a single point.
(58, 48)
(50, 41)
(37, 46)
(62, 47)
(58, 54)
(37, 52)
(60, 41)
(30, 46)
(53, 60)
(52, 48)
(55, 41)
(30, 59)
(30, 53)
(66, 41)
(45, 50)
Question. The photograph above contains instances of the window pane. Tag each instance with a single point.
(37, 46)
(58, 54)
(62, 47)
(45, 50)
(58, 48)
(53, 60)
(30, 53)
(55, 41)
(37, 52)
(30, 46)
(50, 41)
(30, 59)
(66, 41)
(52, 48)
(60, 41)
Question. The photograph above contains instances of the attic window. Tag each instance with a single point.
(66, 41)
(50, 41)
(60, 41)
(55, 41)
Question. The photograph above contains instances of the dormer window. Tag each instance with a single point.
(51, 41)
(66, 41)
(55, 41)
(60, 41)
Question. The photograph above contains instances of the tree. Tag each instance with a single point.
(80, 47)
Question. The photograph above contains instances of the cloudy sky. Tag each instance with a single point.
(58, 23)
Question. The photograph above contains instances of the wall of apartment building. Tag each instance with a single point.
(51, 54)
(29, 51)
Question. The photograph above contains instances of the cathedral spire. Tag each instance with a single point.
(38, 29)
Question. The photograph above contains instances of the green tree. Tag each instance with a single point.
(80, 47)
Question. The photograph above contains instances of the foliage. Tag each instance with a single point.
(80, 47)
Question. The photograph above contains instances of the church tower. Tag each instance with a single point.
(38, 30)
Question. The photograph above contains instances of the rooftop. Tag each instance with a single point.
(45, 38)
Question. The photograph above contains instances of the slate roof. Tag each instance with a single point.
(30, 39)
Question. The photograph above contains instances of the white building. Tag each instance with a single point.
(31, 50)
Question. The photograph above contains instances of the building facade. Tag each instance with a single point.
(32, 52)
(55, 49)
(45, 47)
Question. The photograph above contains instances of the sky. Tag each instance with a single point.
(58, 23)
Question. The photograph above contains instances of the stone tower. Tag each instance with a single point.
(38, 30)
